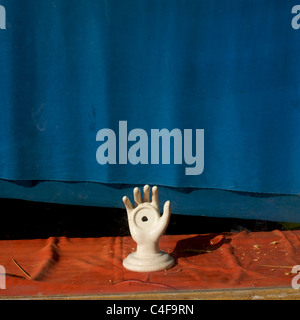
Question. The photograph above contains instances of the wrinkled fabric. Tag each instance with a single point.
(76, 266)
(71, 68)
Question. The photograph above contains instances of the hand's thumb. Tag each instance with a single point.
(167, 207)
(166, 212)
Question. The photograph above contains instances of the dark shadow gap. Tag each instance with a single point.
(22, 219)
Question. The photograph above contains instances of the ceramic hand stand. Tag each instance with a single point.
(147, 226)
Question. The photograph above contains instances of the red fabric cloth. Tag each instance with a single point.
(87, 266)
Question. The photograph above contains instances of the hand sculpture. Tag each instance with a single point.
(147, 226)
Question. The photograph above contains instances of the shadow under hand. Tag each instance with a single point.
(197, 245)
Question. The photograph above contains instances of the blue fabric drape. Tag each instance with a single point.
(70, 68)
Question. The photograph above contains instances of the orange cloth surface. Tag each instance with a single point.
(83, 266)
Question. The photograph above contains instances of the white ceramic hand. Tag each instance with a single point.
(145, 222)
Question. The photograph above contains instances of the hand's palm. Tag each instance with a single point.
(144, 219)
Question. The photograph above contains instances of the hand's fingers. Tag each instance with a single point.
(127, 204)
(137, 196)
(155, 197)
(146, 196)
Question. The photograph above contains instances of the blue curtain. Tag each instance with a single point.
(71, 68)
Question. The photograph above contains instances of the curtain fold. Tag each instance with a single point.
(71, 68)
